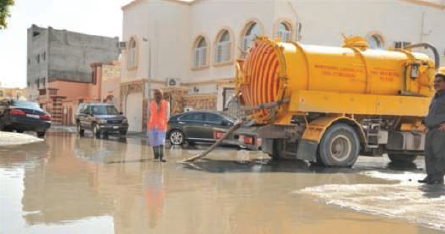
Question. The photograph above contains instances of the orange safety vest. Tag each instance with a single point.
(158, 118)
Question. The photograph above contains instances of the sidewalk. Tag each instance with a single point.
(10, 139)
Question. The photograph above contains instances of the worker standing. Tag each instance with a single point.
(157, 124)
(435, 137)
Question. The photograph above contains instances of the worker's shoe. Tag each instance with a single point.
(436, 180)
(425, 180)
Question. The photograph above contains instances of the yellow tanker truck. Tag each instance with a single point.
(331, 104)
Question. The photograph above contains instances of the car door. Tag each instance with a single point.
(86, 117)
(193, 126)
(212, 121)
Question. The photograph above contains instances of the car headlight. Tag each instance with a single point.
(102, 121)
(125, 121)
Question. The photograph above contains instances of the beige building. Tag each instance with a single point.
(189, 48)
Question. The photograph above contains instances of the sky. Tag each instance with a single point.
(97, 17)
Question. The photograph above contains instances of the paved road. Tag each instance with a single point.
(72, 184)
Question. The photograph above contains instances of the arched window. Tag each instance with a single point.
(200, 53)
(284, 32)
(223, 47)
(375, 41)
(131, 57)
(252, 31)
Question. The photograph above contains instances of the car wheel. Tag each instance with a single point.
(41, 134)
(79, 129)
(96, 130)
(20, 131)
(177, 137)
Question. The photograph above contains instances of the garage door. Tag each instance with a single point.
(134, 112)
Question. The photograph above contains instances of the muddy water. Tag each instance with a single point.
(72, 184)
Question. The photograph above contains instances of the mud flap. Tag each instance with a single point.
(307, 150)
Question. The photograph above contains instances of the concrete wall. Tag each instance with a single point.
(37, 59)
(72, 53)
(71, 90)
(65, 55)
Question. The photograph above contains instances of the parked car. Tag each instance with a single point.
(100, 118)
(23, 116)
(199, 126)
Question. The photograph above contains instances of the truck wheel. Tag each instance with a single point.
(339, 146)
(402, 158)
(277, 149)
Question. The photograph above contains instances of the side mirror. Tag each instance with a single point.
(121, 113)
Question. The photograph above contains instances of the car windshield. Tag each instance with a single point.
(105, 110)
(27, 105)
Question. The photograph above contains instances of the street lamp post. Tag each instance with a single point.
(149, 75)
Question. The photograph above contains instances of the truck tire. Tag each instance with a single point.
(339, 146)
(402, 158)
(277, 149)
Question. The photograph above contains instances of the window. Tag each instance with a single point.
(252, 31)
(200, 53)
(38, 83)
(193, 117)
(213, 118)
(104, 110)
(29, 61)
(38, 58)
(43, 81)
(284, 32)
(223, 47)
(131, 59)
(375, 41)
(44, 56)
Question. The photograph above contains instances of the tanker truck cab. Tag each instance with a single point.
(328, 105)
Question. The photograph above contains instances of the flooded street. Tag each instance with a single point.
(72, 184)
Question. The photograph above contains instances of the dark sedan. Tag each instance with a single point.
(199, 126)
(23, 116)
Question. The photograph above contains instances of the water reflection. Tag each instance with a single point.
(89, 183)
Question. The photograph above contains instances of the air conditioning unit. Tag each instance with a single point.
(173, 82)
(122, 45)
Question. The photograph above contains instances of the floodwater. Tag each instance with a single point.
(72, 184)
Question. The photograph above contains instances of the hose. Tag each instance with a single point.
(427, 45)
(237, 125)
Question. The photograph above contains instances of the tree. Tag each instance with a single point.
(4, 12)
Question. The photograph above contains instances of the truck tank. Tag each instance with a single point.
(273, 72)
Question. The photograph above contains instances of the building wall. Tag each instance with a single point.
(72, 53)
(64, 55)
(111, 83)
(37, 59)
(13, 93)
(172, 28)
